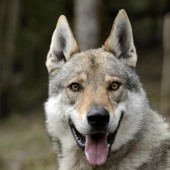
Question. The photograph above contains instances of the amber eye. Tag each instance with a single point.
(74, 87)
(114, 86)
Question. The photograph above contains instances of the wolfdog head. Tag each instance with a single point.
(95, 100)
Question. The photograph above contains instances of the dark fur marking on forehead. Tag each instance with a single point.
(92, 60)
(93, 63)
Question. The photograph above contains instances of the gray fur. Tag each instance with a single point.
(143, 138)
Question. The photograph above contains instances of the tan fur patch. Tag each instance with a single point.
(96, 98)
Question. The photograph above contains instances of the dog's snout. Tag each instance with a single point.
(98, 117)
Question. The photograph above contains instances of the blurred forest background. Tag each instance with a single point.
(26, 27)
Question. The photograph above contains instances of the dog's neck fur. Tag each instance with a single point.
(132, 155)
(143, 138)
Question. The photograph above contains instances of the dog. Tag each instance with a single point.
(97, 115)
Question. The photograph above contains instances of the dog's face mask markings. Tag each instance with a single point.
(96, 102)
(93, 87)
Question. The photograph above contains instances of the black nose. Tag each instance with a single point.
(98, 117)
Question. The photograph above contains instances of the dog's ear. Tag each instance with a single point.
(120, 41)
(63, 45)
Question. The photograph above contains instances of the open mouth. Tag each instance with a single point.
(96, 146)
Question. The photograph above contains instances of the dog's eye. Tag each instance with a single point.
(114, 86)
(75, 87)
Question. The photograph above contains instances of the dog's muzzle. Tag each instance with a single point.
(96, 146)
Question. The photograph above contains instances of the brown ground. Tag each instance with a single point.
(24, 144)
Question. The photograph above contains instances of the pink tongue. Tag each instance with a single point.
(96, 149)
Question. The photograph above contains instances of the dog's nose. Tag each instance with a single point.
(98, 117)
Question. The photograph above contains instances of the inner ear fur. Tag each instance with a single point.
(63, 45)
(120, 41)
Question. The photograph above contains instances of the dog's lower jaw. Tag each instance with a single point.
(96, 147)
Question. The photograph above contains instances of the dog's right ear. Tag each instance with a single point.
(63, 45)
(120, 42)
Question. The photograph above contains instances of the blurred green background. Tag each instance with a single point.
(26, 27)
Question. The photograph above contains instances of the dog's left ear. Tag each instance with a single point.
(63, 45)
(120, 42)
